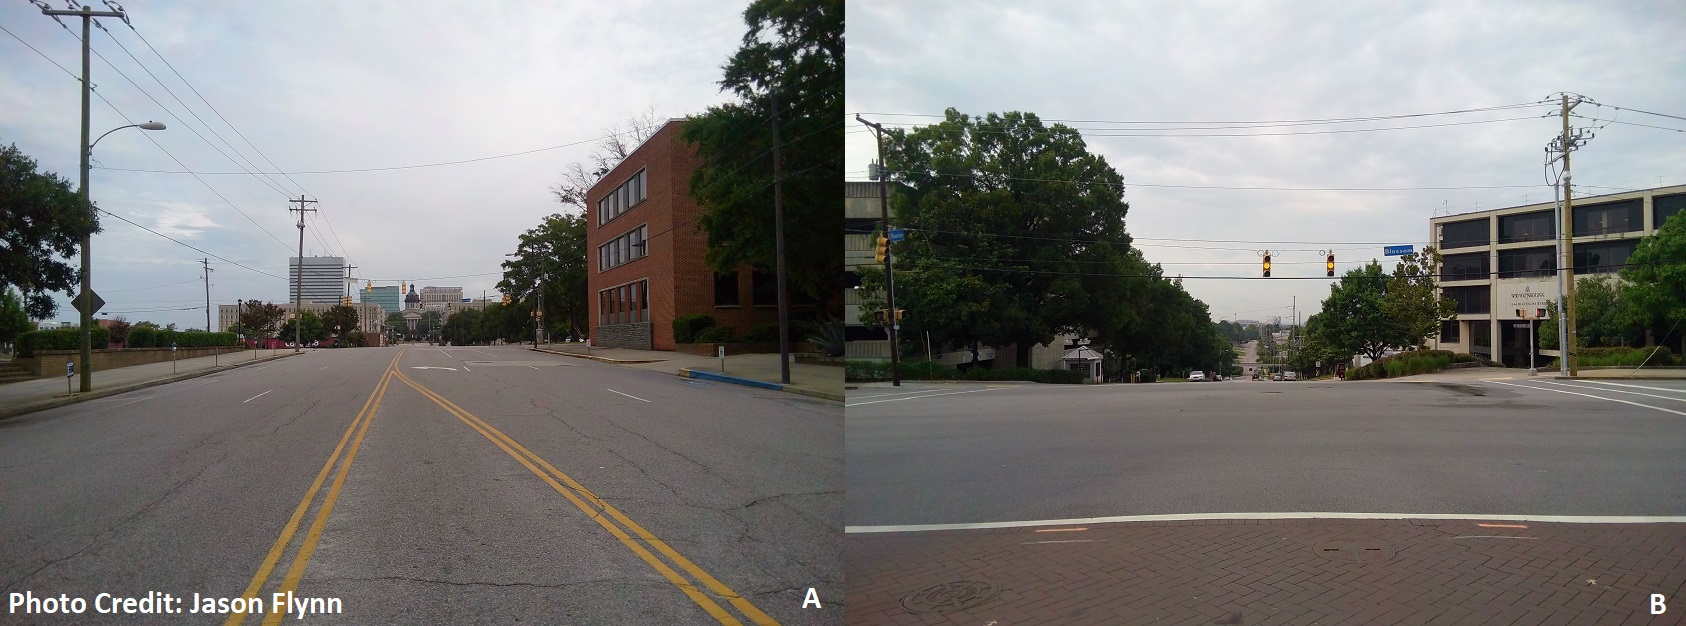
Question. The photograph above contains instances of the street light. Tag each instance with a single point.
(87, 294)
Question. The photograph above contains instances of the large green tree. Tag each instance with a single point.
(340, 319)
(42, 222)
(552, 257)
(1355, 320)
(1031, 218)
(310, 328)
(1656, 281)
(14, 320)
(1413, 301)
(791, 52)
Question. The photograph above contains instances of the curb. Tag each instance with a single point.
(599, 359)
(54, 403)
(686, 372)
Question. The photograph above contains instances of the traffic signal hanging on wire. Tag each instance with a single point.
(883, 249)
(1329, 266)
(1267, 266)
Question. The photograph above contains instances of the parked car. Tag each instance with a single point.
(1276, 376)
(1290, 376)
(1197, 377)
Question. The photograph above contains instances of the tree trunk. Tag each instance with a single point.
(1021, 354)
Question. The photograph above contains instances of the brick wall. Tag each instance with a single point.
(681, 282)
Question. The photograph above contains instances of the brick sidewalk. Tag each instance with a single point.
(1312, 571)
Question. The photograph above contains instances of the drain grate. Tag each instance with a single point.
(952, 596)
(1354, 551)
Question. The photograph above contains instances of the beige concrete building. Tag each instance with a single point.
(1502, 260)
(371, 318)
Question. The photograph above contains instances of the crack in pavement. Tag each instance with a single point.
(295, 418)
(785, 495)
(108, 533)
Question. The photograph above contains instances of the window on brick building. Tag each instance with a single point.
(726, 290)
(622, 198)
(624, 249)
(625, 304)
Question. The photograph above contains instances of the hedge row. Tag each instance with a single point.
(1408, 363)
(701, 328)
(1622, 357)
(59, 339)
(161, 338)
(868, 371)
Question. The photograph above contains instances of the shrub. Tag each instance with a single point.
(715, 334)
(1622, 357)
(767, 332)
(59, 339)
(685, 328)
(142, 337)
(827, 337)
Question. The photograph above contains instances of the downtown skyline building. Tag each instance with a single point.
(322, 279)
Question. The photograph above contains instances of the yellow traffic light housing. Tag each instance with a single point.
(1267, 266)
(883, 249)
(900, 313)
(880, 316)
(1329, 265)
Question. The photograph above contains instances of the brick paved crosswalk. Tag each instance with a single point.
(1312, 571)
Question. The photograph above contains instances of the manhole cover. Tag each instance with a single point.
(1353, 551)
(947, 597)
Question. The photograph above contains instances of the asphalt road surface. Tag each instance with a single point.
(962, 454)
(427, 485)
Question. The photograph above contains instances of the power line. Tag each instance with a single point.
(1093, 133)
(1639, 111)
(43, 54)
(1336, 120)
(1127, 184)
(190, 247)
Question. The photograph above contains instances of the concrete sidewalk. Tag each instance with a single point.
(36, 395)
(756, 370)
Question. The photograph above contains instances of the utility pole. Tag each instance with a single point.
(889, 263)
(1566, 336)
(298, 281)
(87, 309)
(778, 247)
(208, 270)
(348, 279)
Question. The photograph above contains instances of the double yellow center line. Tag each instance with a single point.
(611, 519)
(361, 425)
(629, 533)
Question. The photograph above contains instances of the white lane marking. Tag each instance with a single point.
(1600, 382)
(485, 353)
(1492, 537)
(256, 397)
(898, 393)
(465, 368)
(430, 367)
(1637, 393)
(1189, 517)
(1026, 543)
(442, 351)
(630, 396)
(531, 367)
(1591, 396)
(321, 368)
(918, 397)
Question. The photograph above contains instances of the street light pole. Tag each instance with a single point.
(87, 308)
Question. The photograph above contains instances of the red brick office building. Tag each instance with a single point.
(646, 266)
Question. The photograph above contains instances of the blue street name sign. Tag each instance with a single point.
(1397, 250)
(897, 234)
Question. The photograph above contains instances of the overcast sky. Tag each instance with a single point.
(1243, 61)
(343, 85)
